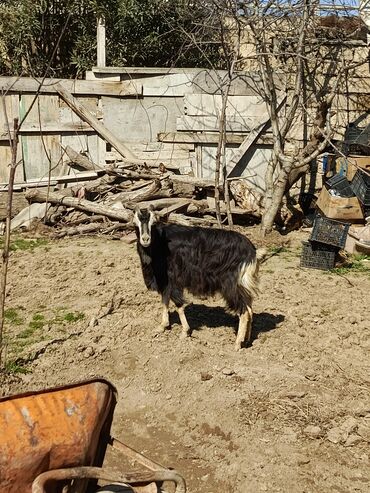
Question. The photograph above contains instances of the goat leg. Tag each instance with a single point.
(244, 329)
(165, 316)
(185, 326)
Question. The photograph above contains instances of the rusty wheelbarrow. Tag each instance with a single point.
(55, 441)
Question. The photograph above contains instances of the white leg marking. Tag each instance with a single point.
(165, 323)
(244, 329)
(185, 326)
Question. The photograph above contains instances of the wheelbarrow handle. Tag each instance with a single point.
(129, 478)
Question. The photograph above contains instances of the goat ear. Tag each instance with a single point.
(136, 218)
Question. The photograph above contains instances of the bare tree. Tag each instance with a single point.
(300, 56)
(309, 59)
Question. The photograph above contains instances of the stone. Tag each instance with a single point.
(335, 435)
(313, 431)
(89, 351)
(228, 371)
(352, 440)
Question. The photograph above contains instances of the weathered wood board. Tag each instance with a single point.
(235, 123)
(41, 153)
(209, 138)
(211, 104)
(77, 87)
(138, 120)
(252, 167)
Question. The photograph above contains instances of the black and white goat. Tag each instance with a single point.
(204, 261)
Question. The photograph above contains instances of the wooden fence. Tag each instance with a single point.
(152, 115)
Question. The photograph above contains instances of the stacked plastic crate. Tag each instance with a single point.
(360, 186)
(327, 238)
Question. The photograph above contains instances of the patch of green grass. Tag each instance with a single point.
(27, 333)
(24, 244)
(15, 367)
(356, 263)
(12, 316)
(275, 250)
(73, 317)
(37, 322)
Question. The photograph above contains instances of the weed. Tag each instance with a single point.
(275, 250)
(26, 333)
(37, 322)
(14, 367)
(356, 263)
(24, 244)
(73, 317)
(12, 317)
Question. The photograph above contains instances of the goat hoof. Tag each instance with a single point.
(158, 331)
(185, 334)
(238, 347)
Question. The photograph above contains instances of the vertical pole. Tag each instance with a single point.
(100, 41)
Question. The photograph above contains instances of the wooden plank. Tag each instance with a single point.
(100, 41)
(211, 104)
(77, 87)
(141, 120)
(209, 137)
(41, 153)
(9, 109)
(56, 128)
(175, 163)
(168, 85)
(83, 113)
(210, 123)
(250, 139)
(43, 182)
(196, 80)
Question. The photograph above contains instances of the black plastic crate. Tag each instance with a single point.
(318, 255)
(329, 231)
(341, 185)
(361, 187)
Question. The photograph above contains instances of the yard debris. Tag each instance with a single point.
(105, 204)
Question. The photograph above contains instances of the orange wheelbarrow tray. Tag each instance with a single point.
(55, 441)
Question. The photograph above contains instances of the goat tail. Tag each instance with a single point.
(261, 254)
(248, 277)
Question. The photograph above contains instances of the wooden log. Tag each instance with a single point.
(78, 230)
(100, 185)
(145, 193)
(165, 205)
(190, 221)
(81, 160)
(85, 115)
(82, 205)
(193, 180)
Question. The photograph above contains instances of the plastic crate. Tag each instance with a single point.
(341, 185)
(361, 187)
(318, 255)
(329, 231)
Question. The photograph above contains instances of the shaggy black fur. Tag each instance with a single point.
(203, 261)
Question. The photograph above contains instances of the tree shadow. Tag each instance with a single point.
(200, 316)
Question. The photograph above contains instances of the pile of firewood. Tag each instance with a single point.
(106, 204)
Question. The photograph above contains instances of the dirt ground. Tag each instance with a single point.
(291, 413)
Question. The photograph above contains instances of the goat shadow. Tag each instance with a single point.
(200, 316)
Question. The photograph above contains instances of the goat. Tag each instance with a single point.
(204, 261)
